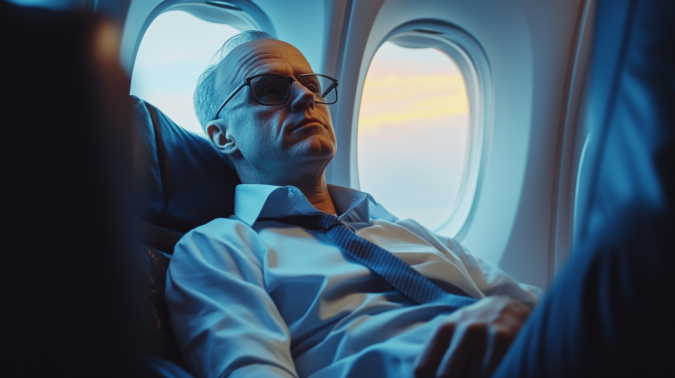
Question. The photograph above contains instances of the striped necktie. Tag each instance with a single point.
(393, 270)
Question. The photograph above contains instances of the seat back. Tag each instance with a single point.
(630, 113)
(67, 304)
(184, 184)
(185, 181)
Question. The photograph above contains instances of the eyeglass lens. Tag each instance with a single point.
(273, 89)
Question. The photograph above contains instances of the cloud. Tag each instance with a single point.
(397, 100)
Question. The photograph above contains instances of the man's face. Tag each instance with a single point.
(299, 132)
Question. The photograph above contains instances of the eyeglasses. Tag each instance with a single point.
(273, 89)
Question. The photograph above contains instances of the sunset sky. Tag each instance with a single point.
(413, 123)
(413, 132)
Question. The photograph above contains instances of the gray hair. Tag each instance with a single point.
(206, 97)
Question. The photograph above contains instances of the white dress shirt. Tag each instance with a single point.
(268, 299)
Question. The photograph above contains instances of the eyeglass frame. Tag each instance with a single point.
(291, 79)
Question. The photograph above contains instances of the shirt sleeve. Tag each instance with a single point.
(224, 321)
(494, 281)
(486, 276)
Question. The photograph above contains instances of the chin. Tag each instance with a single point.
(314, 148)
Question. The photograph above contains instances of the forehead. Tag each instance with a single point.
(262, 56)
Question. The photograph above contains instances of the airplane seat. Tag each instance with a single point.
(627, 189)
(609, 311)
(184, 184)
(630, 113)
(69, 275)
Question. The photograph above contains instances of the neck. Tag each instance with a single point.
(313, 186)
(319, 196)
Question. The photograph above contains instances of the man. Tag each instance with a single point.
(254, 296)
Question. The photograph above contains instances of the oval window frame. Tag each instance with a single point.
(472, 61)
(240, 14)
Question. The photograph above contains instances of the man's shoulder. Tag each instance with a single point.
(219, 234)
(219, 225)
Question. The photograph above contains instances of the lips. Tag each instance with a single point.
(307, 122)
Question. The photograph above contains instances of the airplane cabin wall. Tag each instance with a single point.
(530, 46)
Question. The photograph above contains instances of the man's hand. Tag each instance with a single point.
(474, 339)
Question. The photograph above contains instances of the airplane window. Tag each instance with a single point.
(174, 51)
(413, 133)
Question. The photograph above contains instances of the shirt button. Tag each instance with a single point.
(291, 195)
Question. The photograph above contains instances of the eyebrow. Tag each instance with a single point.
(273, 71)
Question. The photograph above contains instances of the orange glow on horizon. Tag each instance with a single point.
(413, 132)
(396, 99)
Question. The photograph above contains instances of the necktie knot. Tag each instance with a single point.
(327, 222)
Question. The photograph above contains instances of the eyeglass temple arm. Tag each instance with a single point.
(333, 85)
(229, 98)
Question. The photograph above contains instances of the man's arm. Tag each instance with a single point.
(223, 318)
(473, 340)
(488, 278)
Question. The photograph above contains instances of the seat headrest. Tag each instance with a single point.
(185, 181)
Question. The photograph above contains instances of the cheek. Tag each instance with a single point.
(329, 122)
(263, 128)
(326, 114)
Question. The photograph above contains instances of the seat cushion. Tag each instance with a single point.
(154, 264)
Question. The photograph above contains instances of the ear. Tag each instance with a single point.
(221, 138)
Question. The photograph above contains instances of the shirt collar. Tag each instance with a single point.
(253, 201)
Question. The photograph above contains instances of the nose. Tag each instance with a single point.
(301, 98)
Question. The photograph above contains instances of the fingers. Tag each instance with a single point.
(501, 342)
(476, 350)
(428, 363)
(464, 357)
(503, 335)
(474, 339)
(515, 313)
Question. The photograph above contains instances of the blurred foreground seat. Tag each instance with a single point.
(69, 283)
(87, 173)
(609, 312)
